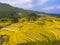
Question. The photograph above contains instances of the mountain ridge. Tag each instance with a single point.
(7, 5)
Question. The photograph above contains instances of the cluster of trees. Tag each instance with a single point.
(30, 16)
(14, 17)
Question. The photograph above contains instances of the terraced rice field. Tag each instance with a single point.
(28, 33)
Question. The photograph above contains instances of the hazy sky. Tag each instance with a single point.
(50, 6)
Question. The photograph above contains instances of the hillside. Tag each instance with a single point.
(10, 14)
(44, 31)
(25, 27)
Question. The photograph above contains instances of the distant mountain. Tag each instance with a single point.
(58, 15)
(6, 9)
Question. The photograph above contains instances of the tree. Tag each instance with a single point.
(32, 16)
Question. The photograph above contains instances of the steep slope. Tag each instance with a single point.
(10, 14)
(44, 31)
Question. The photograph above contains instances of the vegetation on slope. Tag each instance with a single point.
(9, 14)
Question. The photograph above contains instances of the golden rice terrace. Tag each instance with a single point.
(44, 31)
